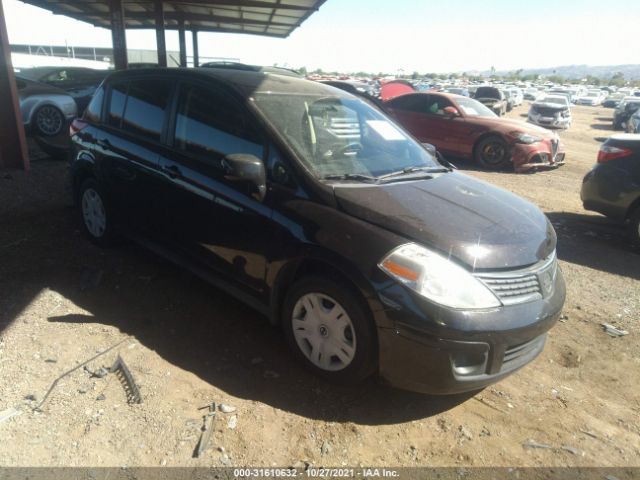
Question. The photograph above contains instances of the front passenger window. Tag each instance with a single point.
(211, 125)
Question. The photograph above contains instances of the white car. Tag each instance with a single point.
(517, 95)
(46, 110)
(592, 97)
(552, 111)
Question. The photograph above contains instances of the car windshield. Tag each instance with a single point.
(340, 136)
(558, 100)
(473, 108)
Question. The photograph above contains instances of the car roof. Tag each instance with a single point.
(244, 82)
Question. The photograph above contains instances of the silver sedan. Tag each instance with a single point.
(46, 110)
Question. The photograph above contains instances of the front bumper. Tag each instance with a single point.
(435, 350)
(550, 122)
(544, 154)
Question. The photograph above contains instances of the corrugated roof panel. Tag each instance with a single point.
(270, 17)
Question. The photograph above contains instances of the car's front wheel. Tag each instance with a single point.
(329, 330)
(48, 121)
(492, 153)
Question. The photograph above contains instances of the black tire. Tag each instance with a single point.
(492, 153)
(634, 227)
(47, 121)
(364, 362)
(88, 192)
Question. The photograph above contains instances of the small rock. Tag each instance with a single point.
(443, 424)
(163, 462)
(485, 432)
(225, 460)
(326, 448)
(465, 433)
(233, 422)
(221, 449)
(256, 361)
(82, 390)
(534, 444)
(510, 405)
(101, 397)
(30, 397)
(271, 374)
(51, 360)
(224, 408)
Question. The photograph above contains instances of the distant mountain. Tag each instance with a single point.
(630, 72)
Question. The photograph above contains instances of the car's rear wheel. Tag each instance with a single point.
(48, 121)
(329, 330)
(492, 153)
(95, 218)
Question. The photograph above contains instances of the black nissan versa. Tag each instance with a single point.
(315, 208)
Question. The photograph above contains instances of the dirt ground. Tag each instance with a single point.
(62, 300)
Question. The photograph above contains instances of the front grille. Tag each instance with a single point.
(525, 285)
(547, 111)
(518, 354)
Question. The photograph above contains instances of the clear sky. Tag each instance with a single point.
(389, 35)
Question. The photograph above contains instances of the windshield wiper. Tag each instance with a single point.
(411, 170)
(350, 176)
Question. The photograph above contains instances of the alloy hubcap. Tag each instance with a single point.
(493, 153)
(49, 121)
(93, 213)
(324, 332)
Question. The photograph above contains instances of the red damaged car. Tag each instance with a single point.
(462, 127)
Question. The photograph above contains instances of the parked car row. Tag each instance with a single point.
(623, 112)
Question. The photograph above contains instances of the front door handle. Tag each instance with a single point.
(172, 171)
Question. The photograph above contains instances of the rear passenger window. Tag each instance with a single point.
(410, 103)
(210, 124)
(116, 104)
(145, 109)
(93, 113)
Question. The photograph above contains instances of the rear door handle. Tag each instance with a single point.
(104, 143)
(172, 171)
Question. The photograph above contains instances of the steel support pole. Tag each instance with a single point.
(196, 53)
(183, 43)
(13, 143)
(160, 38)
(119, 39)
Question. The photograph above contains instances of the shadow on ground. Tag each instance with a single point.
(190, 324)
(596, 242)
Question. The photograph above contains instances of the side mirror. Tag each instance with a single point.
(248, 169)
(451, 112)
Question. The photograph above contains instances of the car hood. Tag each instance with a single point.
(507, 125)
(486, 100)
(480, 225)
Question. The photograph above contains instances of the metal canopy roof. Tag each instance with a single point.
(275, 18)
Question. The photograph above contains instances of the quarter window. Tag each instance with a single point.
(211, 125)
(94, 109)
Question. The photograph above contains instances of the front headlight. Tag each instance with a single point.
(525, 138)
(437, 278)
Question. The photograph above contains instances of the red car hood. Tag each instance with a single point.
(507, 125)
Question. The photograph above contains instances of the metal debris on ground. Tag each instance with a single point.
(126, 379)
(205, 436)
(100, 373)
(9, 413)
(68, 372)
(569, 449)
(613, 331)
(534, 444)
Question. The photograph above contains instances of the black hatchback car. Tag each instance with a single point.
(612, 187)
(312, 206)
